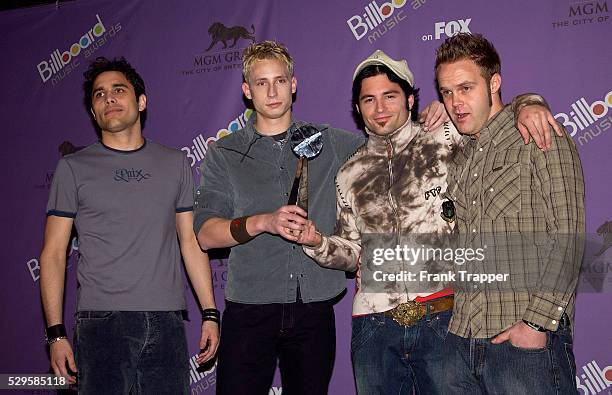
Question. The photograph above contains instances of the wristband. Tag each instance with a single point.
(51, 341)
(239, 231)
(533, 326)
(211, 315)
(55, 333)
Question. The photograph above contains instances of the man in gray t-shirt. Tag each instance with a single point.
(128, 199)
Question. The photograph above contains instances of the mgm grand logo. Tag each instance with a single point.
(219, 33)
(223, 52)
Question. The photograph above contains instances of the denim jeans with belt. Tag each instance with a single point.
(130, 352)
(389, 358)
(476, 366)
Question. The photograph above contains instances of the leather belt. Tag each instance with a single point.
(409, 313)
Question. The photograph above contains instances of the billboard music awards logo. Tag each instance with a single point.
(198, 380)
(580, 13)
(61, 63)
(33, 266)
(587, 120)
(378, 19)
(228, 57)
(592, 380)
(605, 231)
(201, 381)
(195, 153)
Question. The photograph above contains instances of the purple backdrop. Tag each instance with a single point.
(559, 48)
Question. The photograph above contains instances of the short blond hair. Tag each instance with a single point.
(265, 50)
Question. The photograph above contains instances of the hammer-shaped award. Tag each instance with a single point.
(306, 143)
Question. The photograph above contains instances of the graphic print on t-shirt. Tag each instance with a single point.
(128, 175)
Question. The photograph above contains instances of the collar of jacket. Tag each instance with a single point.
(250, 130)
(398, 140)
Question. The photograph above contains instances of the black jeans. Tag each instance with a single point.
(301, 336)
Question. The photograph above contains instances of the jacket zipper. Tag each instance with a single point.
(390, 195)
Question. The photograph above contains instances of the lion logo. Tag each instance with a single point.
(67, 147)
(605, 231)
(220, 33)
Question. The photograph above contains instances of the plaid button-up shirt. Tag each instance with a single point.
(505, 190)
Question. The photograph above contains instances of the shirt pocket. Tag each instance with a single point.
(501, 188)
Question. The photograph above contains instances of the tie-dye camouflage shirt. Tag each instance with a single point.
(393, 185)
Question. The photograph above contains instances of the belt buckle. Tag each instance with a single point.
(408, 313)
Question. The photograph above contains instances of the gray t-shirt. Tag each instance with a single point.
(124, 205)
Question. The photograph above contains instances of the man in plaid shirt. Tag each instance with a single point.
(526, 209)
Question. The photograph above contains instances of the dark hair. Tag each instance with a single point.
(101, 65)
(372, 71)
(473, 47)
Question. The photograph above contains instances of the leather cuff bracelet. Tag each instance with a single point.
(239, 231)
(55, 333)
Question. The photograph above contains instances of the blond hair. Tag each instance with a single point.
(265, 50)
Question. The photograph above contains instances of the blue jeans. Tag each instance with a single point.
(476, 366)
(130, 352)
(389, 358)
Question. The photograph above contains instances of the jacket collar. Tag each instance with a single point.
(398, 140)
(250, 130)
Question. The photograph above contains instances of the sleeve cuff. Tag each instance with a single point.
(59, 213)
(545, 312)
(527, 99)
(313, 252)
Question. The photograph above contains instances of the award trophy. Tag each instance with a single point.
(306, 143)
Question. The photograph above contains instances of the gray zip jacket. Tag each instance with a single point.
(246, 173)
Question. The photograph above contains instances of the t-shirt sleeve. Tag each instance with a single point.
(214, 197)
(184, 201)
(63, 199)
